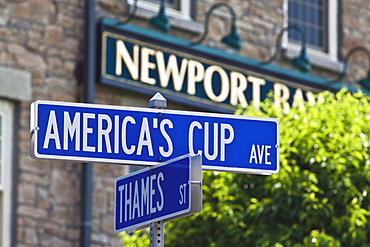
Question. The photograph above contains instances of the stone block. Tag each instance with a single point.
(53, 35)
(28, 236)
(32, 212)
(15, 84)
(36, 166)
(27, 60)
(64, 188)
(99, 202)
(37, 10)
(26, 192)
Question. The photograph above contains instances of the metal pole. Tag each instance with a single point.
(157, 234)
(89, 79)
(157, 228)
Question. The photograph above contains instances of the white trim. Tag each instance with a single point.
(332, 54)
(6, 113)
(182, 21)
(184, 12)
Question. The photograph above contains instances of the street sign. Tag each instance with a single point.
(143, 136)
(166, 191)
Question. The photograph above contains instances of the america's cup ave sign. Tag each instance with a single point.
(143, 136)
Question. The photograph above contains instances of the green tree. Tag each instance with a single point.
(319, 197)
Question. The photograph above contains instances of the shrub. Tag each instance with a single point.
(319, 197)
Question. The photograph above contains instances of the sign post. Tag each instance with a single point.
(157, 228)
(142, 136)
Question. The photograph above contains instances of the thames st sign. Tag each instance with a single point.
(166, 191)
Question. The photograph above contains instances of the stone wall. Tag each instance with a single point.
(355, 20)
(45, 38)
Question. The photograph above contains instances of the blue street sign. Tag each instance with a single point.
(143, 136)
(157, 193)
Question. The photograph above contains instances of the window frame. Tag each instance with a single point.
(331, 34)
(184, 12)
(6, 114)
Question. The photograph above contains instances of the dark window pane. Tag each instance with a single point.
(308, 14)
(175, 4)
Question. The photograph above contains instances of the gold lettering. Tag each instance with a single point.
(310, 98)
(132, 64)
(225, 87)
(282, 95)
(238, 86)
(257, 83)
(195, 74)
(298, 99)
(171, 69)
(146, 65)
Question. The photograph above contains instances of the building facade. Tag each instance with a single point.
(43, 57)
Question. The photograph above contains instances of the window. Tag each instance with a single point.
(6, 111)
(169, 3)
(310, 15)
(318, 18)
(175, 8)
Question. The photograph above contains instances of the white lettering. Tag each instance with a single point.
(85, 131)
(145, 138)
(73, 129)
(52, 127)
(191, 137)
(136, 201)
(267, 154)
(116, 139)
(104, 132)
(145, 195)
(120, 188)
(261, 156)
(152, 192)
(253, 155)
(225, 140)
(166, 136)
(182, 190)
(206, 141)
(127, 119)
(160, 205)
(128, 202)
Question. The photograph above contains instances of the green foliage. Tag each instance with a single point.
(320, 197)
